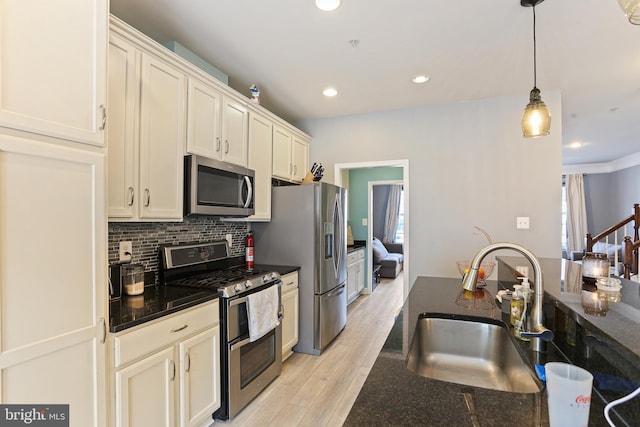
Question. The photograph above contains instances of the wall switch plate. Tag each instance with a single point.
(522, 222)
(229, 238)
(126, 249)
(364, 222)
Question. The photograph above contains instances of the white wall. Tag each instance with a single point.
(469, 165)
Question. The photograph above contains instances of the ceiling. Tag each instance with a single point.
(586, 49)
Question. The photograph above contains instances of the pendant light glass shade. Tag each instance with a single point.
(631, 9)
(536, 120)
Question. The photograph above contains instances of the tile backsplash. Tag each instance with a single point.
(147, 237)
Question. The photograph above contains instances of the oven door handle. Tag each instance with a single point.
(238, 301)
(237, 345)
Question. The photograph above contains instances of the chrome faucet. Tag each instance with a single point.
(537, 332)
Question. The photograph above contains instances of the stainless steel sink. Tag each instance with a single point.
(470, 350)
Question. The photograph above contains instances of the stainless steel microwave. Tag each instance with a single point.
(212, 187)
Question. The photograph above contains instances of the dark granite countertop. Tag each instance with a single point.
(392, 395)
(355, 247)
(159, 301)
(156, 301)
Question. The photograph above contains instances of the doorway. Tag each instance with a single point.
(341, 175)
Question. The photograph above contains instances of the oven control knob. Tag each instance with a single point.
(248, 284)
(238, 287)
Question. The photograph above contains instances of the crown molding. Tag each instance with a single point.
(612, 166)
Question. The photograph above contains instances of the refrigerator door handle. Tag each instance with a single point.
(338, 235)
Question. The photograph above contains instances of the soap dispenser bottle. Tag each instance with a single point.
(517, 304)
(520, 323)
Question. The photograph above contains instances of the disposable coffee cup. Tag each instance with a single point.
(568, 394)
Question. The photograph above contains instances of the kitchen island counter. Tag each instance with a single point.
(392, 395)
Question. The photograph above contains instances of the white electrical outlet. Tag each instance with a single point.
(364, 222)
(229, 238)
(523, 269)
(126, 249)
(522, 222)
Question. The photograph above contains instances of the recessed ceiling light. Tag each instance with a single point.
(420, 78)
(327, 5)
(329, 92)
(575, 145)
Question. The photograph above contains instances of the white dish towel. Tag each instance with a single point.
(262, 312)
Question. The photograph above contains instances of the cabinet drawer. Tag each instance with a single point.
(289, 282)
(154, 335)
(355, 256)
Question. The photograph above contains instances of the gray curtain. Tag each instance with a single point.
(393, 213)
(576, 213)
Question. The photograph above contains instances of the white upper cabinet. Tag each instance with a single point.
(216, 124)
(145, 133)
(282, 153)
(300, 156)
(290, 155)
(204, 109)
(53, 67)
(235, 119)
(162, 133)
(260, 152)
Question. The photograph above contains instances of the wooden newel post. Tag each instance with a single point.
(627, 255)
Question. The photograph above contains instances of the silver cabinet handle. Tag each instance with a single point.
(226, 146)
(131, 196)
(181, 328)
(173, 370)
(103, 124)
(187, 358)
(147, 196)
(218, 144)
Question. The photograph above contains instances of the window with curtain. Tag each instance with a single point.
(399, 238)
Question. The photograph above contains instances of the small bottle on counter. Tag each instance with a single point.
(517, 304)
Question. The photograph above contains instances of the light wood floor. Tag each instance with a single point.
(320, 390)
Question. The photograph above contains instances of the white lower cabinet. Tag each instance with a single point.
(290, 310)
(167, 372)
(355, 274)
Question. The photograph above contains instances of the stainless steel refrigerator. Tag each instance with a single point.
(308, 229)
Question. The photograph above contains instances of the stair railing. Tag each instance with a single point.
(630, 248)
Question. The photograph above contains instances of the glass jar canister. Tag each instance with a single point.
(594, 266)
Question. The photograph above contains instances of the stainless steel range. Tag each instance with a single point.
(247, 366)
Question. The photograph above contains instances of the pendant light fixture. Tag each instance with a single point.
(536, 120)
(631, 9)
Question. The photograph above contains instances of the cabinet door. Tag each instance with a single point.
(352, 288)
(359, 276)
(53, 67)
(260, 152)
(161, 140)
(199, 377)
(145, 392)
(52, 210)
(282, 161)
(203, 120)
(123, 101)
(300, 158)
(290, 308)
(234, 131)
